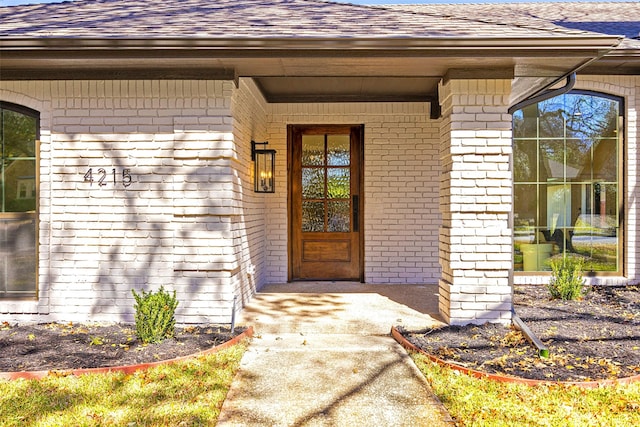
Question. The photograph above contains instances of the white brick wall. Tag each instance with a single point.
(475, 202)
(175, 225)
(401, 174)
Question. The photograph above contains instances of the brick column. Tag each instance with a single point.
(475, 201)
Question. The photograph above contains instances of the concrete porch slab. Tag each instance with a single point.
(341, 307)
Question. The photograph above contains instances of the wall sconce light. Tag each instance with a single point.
(263, 168)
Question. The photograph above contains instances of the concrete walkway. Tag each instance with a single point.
(322, 356)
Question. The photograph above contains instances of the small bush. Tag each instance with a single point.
(155, 315)
(567, 282)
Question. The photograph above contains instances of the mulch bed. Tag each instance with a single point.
(595, 338)
(56, 346)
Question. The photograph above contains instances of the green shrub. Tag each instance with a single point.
(155, 315)
(567, 282)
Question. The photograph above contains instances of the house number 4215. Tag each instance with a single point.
(102, 177)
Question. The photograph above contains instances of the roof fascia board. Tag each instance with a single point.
(442, 52)
(241, 44)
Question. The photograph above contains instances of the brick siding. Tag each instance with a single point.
(475, 202)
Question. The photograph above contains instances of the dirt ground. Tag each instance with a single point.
(71, 346)
(592, 339)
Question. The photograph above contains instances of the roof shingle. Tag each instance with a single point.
(613, 18)
(257, 19)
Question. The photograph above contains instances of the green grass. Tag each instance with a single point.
(187, 393)
(481, 402)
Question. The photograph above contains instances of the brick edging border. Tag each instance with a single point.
(127, 369)
(508, 379)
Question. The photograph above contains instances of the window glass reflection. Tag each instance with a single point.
(566, 181)
(18, 202)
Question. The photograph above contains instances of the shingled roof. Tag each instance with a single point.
(614, 18)
(255, 19)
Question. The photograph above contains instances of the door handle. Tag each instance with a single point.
(355, 204)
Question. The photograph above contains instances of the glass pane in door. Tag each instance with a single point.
(313, 150)
(312, 183)
(338, 152)
(326, 183)
(313, 216)
(338, 183)
(338, 216)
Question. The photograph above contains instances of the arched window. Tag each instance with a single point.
(567, 181)
(19, 134)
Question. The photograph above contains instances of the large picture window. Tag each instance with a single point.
(567, 175)
(19, 129)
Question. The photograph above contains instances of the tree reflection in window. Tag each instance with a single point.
(567, 180)
(18, 200)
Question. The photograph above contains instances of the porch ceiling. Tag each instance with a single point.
(348, 89)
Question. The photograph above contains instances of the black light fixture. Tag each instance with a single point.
(264, 165)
